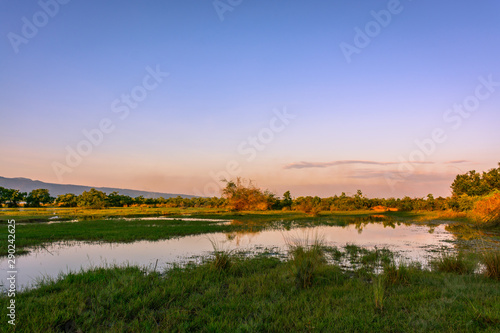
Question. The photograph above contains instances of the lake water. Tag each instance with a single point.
(413, 242)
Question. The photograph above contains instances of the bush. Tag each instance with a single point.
(241, 196)
(466, 202)
(487, 210)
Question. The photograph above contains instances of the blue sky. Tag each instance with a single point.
(355, 122)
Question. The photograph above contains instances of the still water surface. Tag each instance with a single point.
(414, 242)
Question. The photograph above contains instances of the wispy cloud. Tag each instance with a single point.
(416, 177)
(457, 162)
(306, 165)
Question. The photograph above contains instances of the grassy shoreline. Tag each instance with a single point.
(33, 215)
(261, 294)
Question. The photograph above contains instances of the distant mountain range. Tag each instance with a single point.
(27, 185)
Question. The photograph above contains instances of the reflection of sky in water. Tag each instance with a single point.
(412, 241)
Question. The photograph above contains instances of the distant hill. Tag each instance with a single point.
(27, 185)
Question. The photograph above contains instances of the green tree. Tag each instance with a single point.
(92, 199)
(2, 196)
(12, 197)
(469, 183)
(38, 197)
(152, 201)
(287, 200)
(309, 205)
(118, 200)
(67, 200)
(359, 200)
(431, 202)
(139, 200)
(473, 183)
(406, 204)
(492, 178)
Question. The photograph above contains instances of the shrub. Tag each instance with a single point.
(487, 210)
(466, 202)
(241, 196)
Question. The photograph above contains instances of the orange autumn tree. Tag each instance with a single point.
(242, 195)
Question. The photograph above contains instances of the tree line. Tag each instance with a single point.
(237, 195)
(467, 190)
(98, 199)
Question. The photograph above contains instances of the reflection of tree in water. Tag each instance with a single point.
(461, 232)
(363, 221)
(249, 229)
(465, 232)
(470, 236)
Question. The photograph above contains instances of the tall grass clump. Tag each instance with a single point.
(400, 273)
(222, 258)
(454, 263)
(491, 261)
(305, 260)
(379, 291)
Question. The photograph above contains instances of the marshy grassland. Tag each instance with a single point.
(314, 290)
(42, 226)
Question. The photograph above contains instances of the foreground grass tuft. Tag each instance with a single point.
(491, 261)
(400, 273)
(222, 258)
(305, 260)
(378, 292)
(454, 263)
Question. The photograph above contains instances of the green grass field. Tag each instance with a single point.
(261, 294)
(312, 291)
